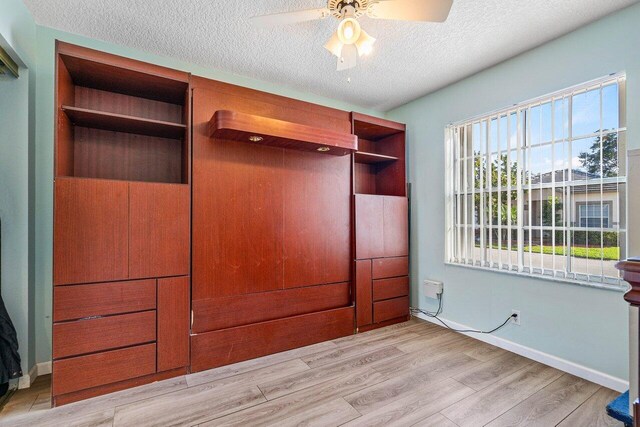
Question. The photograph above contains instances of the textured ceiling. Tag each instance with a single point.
(409, 59)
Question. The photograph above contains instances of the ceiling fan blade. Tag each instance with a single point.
(349, 57)
(411, 10)
(291, 17)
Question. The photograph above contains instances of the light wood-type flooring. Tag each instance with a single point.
(414, 373)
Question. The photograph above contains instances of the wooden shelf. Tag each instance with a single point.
(372, 158)
(121, 123)
(373, 128)
(112, 74)
(241, 127)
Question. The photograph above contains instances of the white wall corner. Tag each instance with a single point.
(564, 365)
(37, 370)
(25, 381)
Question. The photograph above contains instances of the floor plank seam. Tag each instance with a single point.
(577, 408)
(523, 399)
(527, 366)
(453, 422)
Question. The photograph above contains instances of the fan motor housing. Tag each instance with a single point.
(336, 7)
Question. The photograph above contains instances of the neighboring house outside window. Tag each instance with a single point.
(540, 188)
(594, 215)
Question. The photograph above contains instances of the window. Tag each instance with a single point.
(594, 215)
(540, 188)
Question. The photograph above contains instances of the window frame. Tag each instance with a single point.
(603, 204)
(453, 183)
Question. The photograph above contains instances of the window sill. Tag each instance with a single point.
(603, 286)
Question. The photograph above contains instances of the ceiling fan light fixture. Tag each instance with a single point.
(350, 41)
(334, 45)
(349, 31)
(365, 43)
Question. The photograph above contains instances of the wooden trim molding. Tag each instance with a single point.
(631, 273)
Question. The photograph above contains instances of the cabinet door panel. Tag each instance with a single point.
(396, 226)
(369, 226)
(317, 219)
(364, 307)
(90, 231)
(159, 230)
(173, 323)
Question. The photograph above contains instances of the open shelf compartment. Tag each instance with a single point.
(379, 163)
(120, 119)
(102, 72)
(241, 127)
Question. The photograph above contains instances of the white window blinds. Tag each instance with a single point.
(540, 188)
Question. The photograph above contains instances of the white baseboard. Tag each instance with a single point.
(564, 365)
(25, 381)
(572, 368)
(43, 368)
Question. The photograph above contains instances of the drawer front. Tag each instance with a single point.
(80, 373)
(390, 288)
(390, 267)
(102, 299)
(89, 336)
(390, 309)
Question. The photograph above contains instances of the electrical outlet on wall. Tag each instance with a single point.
(515, 320)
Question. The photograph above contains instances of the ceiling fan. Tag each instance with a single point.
(350, 40)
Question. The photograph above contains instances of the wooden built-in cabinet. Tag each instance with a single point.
(272, 225)
(122, 207)
(198, 224)
(381, 220)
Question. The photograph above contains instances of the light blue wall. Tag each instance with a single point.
(17, 96)
(583, 325)
(44, 157)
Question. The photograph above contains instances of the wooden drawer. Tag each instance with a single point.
(89, 336)
(102, 299)
(390, 288)
(390, 309)
(80, 373)
(390, 267)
